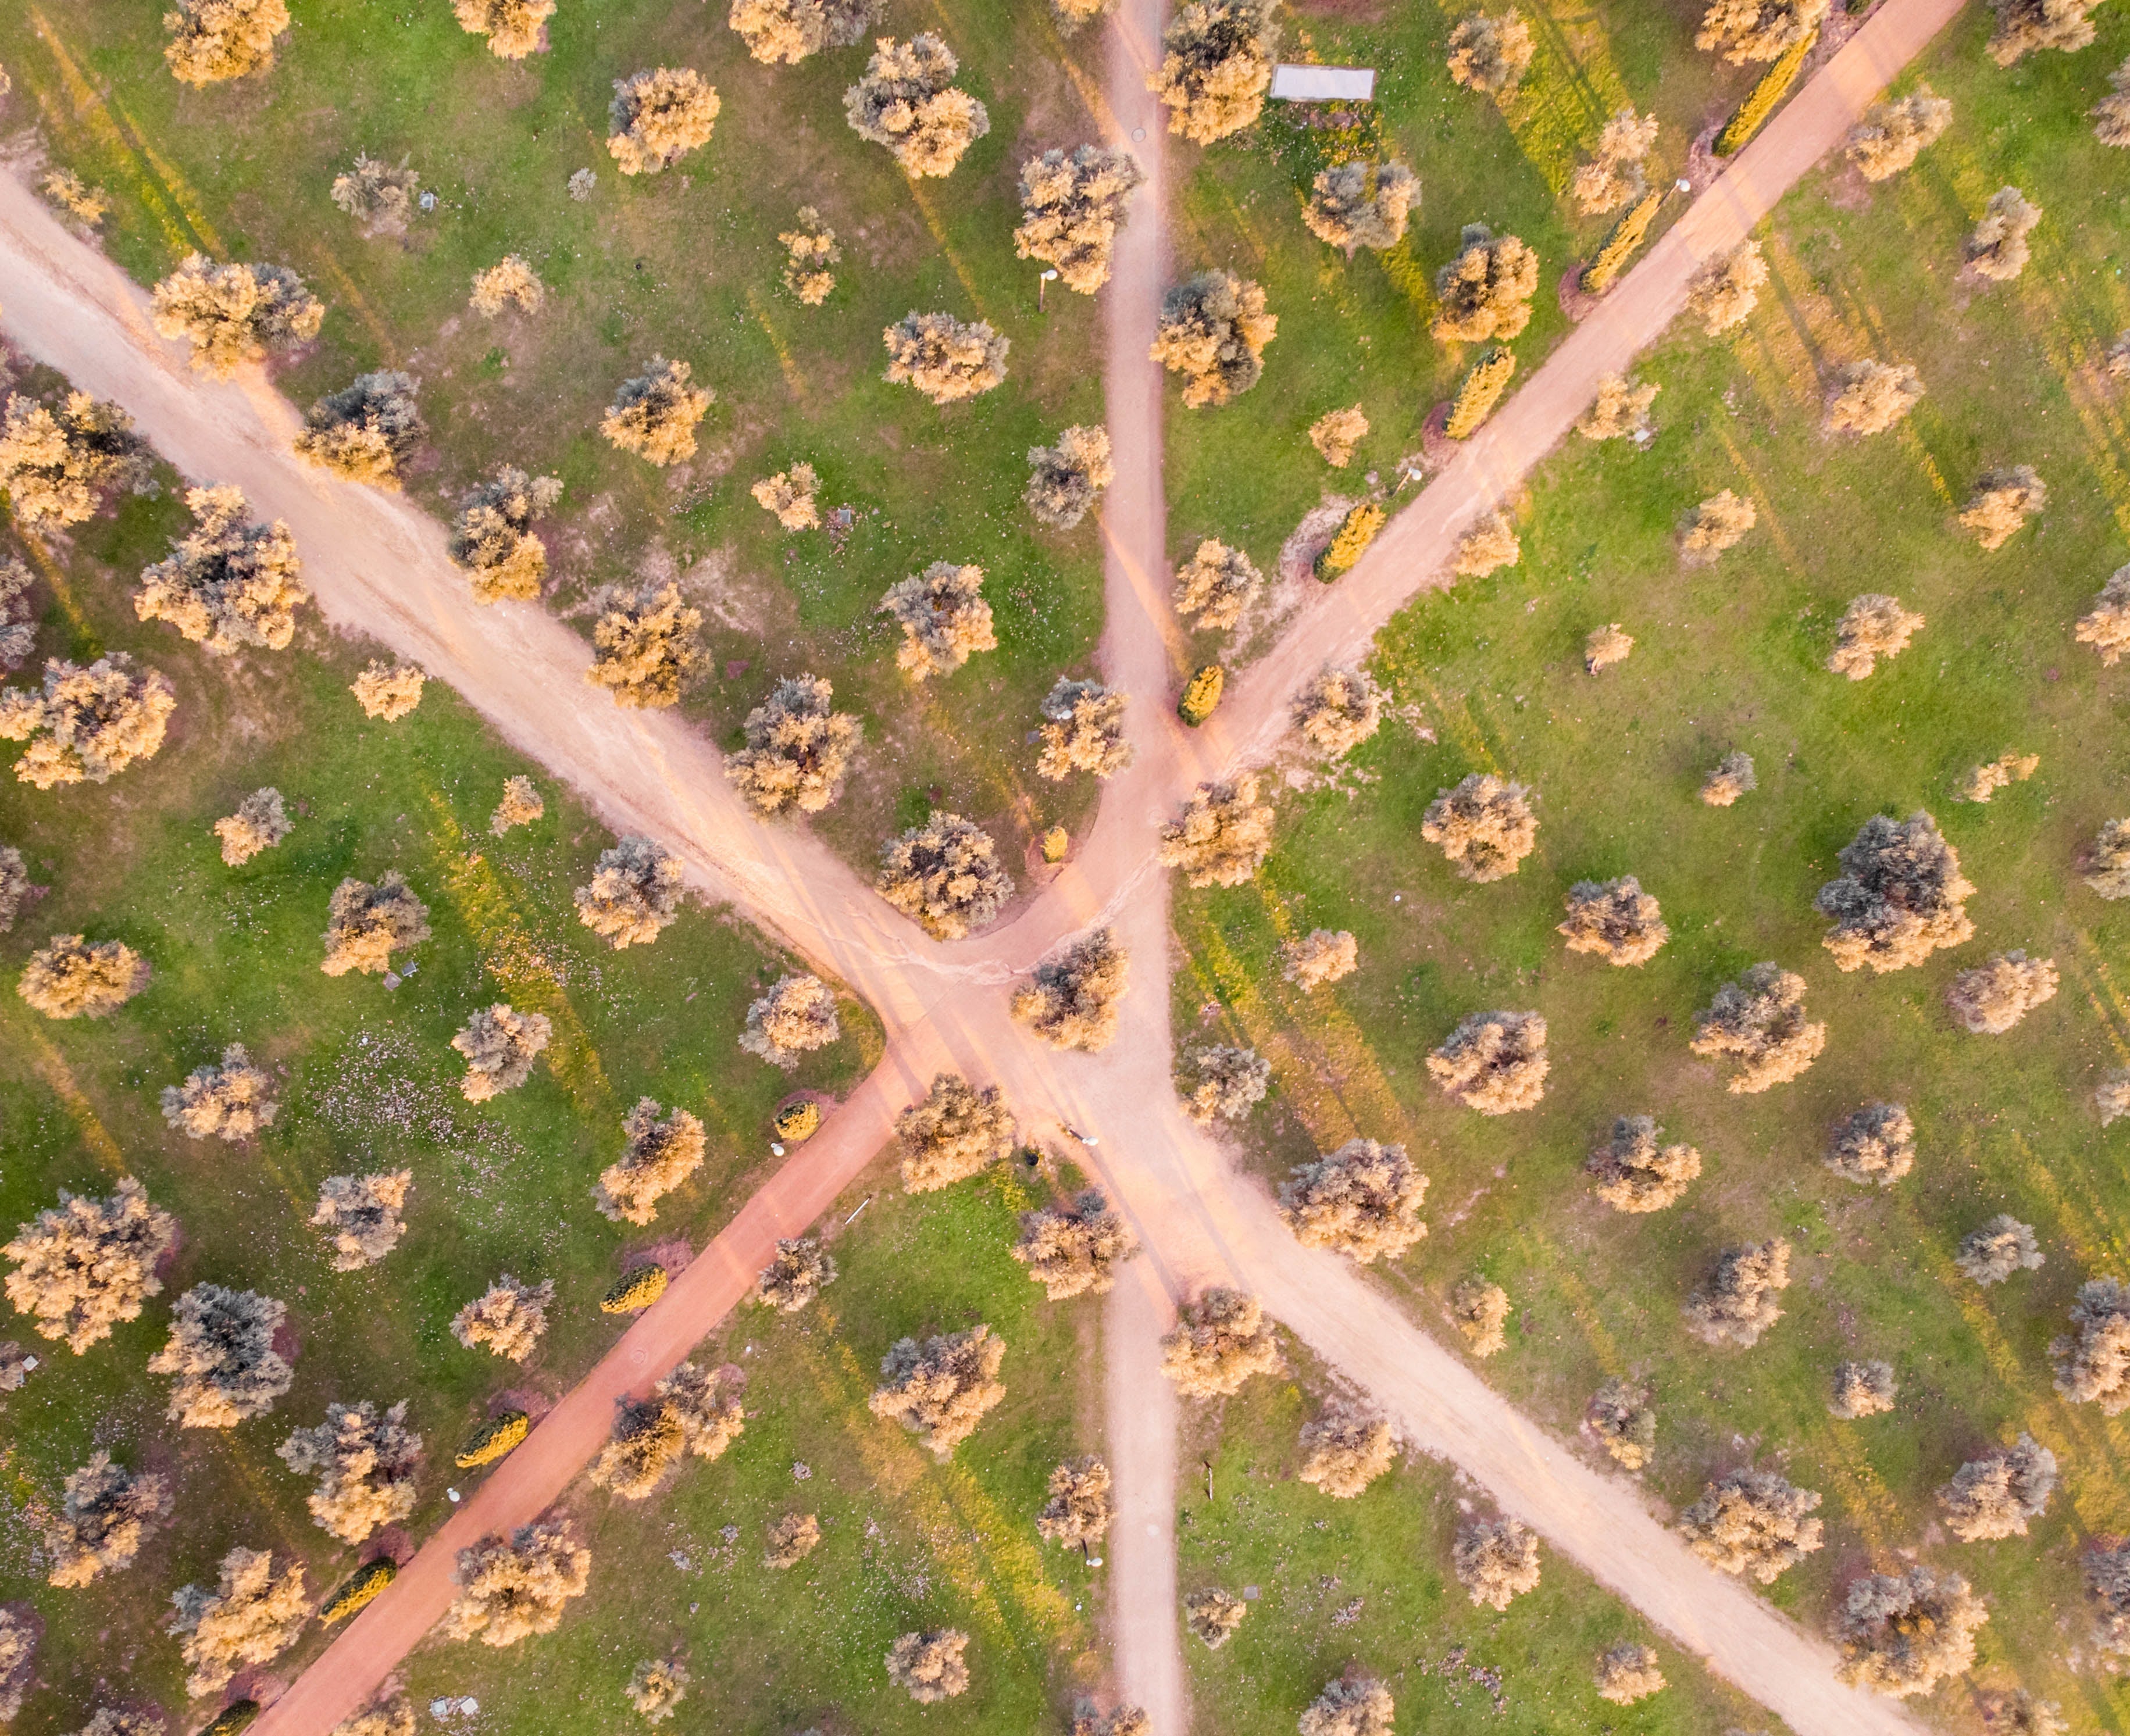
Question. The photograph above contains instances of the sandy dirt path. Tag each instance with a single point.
(378, 566)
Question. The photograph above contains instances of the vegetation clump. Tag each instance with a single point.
(492, 537)
(1755, 1522)
(943, 617)
(1216, 67)
(1998, 1248)
(260, 823)
(514, 28)
(233, 314)
(1073, 1252)
(1490, 52)
(1733, 777)
(1628, 1673)
(365, 1463)
(360, 1216)
(1490, 544)
(797, 1014)
(1345, 1449)
(1874, 626)
(1867, 398)
(800, 1271)
(83, 1266)
(1496, 1561)
(76, 978)
(68, 191)
(954, 1132)
(57, 464)
(1354, 1705)
(388, 691)
(2105, 626)
(1614, 175)
(634, 894)
(1861, 1390)
(646, 1443)
(1337, 434)
(365, 431)
(1362, 1199)
(945, 358)
(1064, 479)
(1724, 291)
(1071, 1002)
(1079, 1508)
(810, 250)
(2093, 1366)
(1361, 203)
(1904, 1633)
(1719, 523)
(1218, 583)
(908, 103)
(1069, 211)
(791, 1539)
(1615, 920)
(1324, 956)
(1759, 1021)
(500, 1044)
(1485, 290)
(1222, 1082)
(105, 1513)
(1901, 896)
(1083, 730)
(1213, 1615)
(1338, 710)
(1620, 411)
(941, 1389)
(511, 1587)
(789, 495)
(1876, 1144)
(1213, 330)
(798, 750)
(228, 1099)
(1485, 827)
(222, 1357)
(1634, 1174)
(1480, 1312)
(1739, 1302)
(660, 1154)
(1993, 1496)
(706, 1404)
(214, 40)
(251, 1616)
(654, 415)
(790, 31)
(508, 1318)
(228, 582)
(945, 874)
(1998, 250)
(658, 116)
(2111, 114)
(1894, 133)
(1624, 1422)
(657, 1686)
(929, 1666)
(1992, 998)
(1984, 781)
(2004, 499)
(1223, 837)
(1219, 1341)
(365, 924)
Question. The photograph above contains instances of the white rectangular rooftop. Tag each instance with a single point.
(1324, 83)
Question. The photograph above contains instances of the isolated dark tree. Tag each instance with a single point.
(1490, 53)
(507, 1318)
(1624, 1422)
(1213, 331)
(1083, 730)
(1073, 1252)
(1069, 209)
(1485, 290)
(1481, 1311)
(1743, 30)
(1338, 710)
(1629, 1671)
(1861, 1390)
(1900, 898)
(1071, 1001)
(1323, 955)
(1636, 1173)
(1485, 827)
(800, 1271)
(1345, 1449)
(227, 1099)
(360, 1216)
(657, 117)
(1079, 1510)
(660, 1153)
(1354, 1704)
(1490, 544)
(365, 1461)
(1222, 837)
(221, 1357)
(941, 1389)
(492, 537)
(1064, 479)
(634, 894)
(1496, 1561)
(106, 1515)
(1215, 66)
(260, 823)
(944, 358)
(1614, 175)
(1493, 1062)
(2093, 1365)
(213, 41)
(1867, 398)
(1615, 920)
(1362, 1199)
(797, 1014)
(1218, 583)
(2000, 1248)
(1759, 1021)
(1724, 291)
(788, 30)
(1219, 1340)
(233, 314)
(252, 1616)
(76, 978)
(954, 1132)
(1894, 133)
(388, 691)
(1213, 1615)
(83, 1266)
(514, 28)
(810, 250)
(229, 581)
(1338, 434)
(1739, 1301)
(945, 874)
(907, 101)
(1992, 998)
(929, 1666)
(509, 1588)
(365, 925)
(1874, 626)
(1361, 203)
(1994, 1496)
(500, 1044)
(1754, 1522)
(1221, 1082)
(654, 415)
(1904, 1633)
(1875, 1145)
(58, 464)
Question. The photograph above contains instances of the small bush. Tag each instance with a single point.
(15, 888)
(1634, 1174)
(810, 250)
(1201, 695)
(2106, 628)
(1724, 291)
(655, 414)
(1213, 330)
(1496, 1561)
(1222, 1082)
(659, 1155)
(953, 1132)
(1995, 1496)
(656, 1685)
(508, 1318)
(706, 1404)
(791, 1539)
(1069, 207)
(233, 314)
(789, 495)
(18, 621)
(1484, 826)
(1362, 1199)
(1218, 583)
(1613, 177)
(1490, 53)
(635, 1290)
(1072, 1252)
(1064, 479)
(1481, 1311)
(941, 1389)
(1624, 1422)
(1215, 66)
(800, 1271)
(2000, 1247)
(521, 805)
(1991, 998)
(1071, 1002)
(228, 582)
(231, 1100)
(1489, 545)
(359, 1592)
(907, 101)
(1753, 1523)
(1486, 289)
(1861, 1390)
(1336, 434)
(1214, 1615)
(1876, 1144)
(1984, 781)
(388, 693)
(1324, 956)
(67, 191)
(945, 874)
(1894, 133)
(1739, 1301)
(658, 116)
(944, 358)
(1868, 397)
(260, 823)
(634, 895)
(1719, 523)
(1219, 1341)
(1354, 1705)
(1874, 626)
(2093, 1366)
(1732, 778)
(511, 1587)
(1620, 411)
(1759, 1021)
(1998, 250)
(2111, 114)
(1628, 1673)
(74, 978)
(1344, 1450)
(365, 924)
(250, 1618)
(929, 1667)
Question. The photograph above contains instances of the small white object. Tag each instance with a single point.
(1398, 898)
(442, 1708)
(468, 1706)
(29, 1364)
(452, 1495)
(1684, 185)
(1138, 133)
(1293, 83)
(775, 1150)
(1094, 1560)
(428, 202)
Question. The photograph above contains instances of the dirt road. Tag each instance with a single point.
(378, 566)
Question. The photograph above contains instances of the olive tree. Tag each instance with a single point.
(1874, 626)
(908, 103)
(1361, 203)
(1337, 434)
(215, 41)
(19, 1634)
(1743, 30)
(634, 894)
(18, 615)
(1753, 1523)
(1213, 330)
(228, 1099)
(1496, 1561)
(511, 1587)
(1733, 777)
(1069, 211)
(1485, 290)
(58, 464)
(1219, 1340)
(514, 28)
(360, 1216)
(945, 874)
(1614, 175)
(229, 581)
(2111, 114)
(260, 823)
(1984, 781)
(1079, 1510)
(929, 1666)
(2108, 1582)
(1345, 1449)
(654, 415)
(941, 1389)
(233, 314)
(1624, 1422)
(1222, 1082)
(511, 281)
(1481, 1313)
(1866, 397)
(493, 540)
(646, 1443)
(1223, 835)
(1904, 1633)
(1629, 1671)
(1992, 998)
(221, 1357)
(1861, 1390)
(800, 1271)
(508, 1318)
(2093, 1365)
(798, 1014)
(83, 1266)
(1893, 134)
(789, 496)
(521, 805)
(1083, 730)
(1875, 1145)
(1636, 1173)
(499, 1045)
(365, 1461)
(105, 1513)
(659, 1155)
(1354, 1704)
(1490, 52)
(1338, 710)
(2004, 498)
(1491, 543)
(2024, 26)
(658, 116)
(1614, 919)
(1724, 291)
(791, 1539)
(76, 978)
(944, 358)
(252, 1616)
(1603, 646)
(952, 1133)
(2000, 1247)
(1998, 250)
(706, 1404)
(1758, 1021)
(810, 250)
(1073, 1252)
(15, 888)
(790, 31)
(1719, 523)
(943, 617)
(366, 432)
(649, 645)
(365, 924)
(387, 691)
(1362, 1199)
(1071, 1001)
(1901, 896)
(1064, 479)
(1218, 583)
(1740, 1300)
(1994, 1496)
(798, 750)
(1216, 60)
(1493, 1062)
(1324, 956)
(1484, 826)
(2105, 626)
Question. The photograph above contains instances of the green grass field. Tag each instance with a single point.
(1730, 657)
